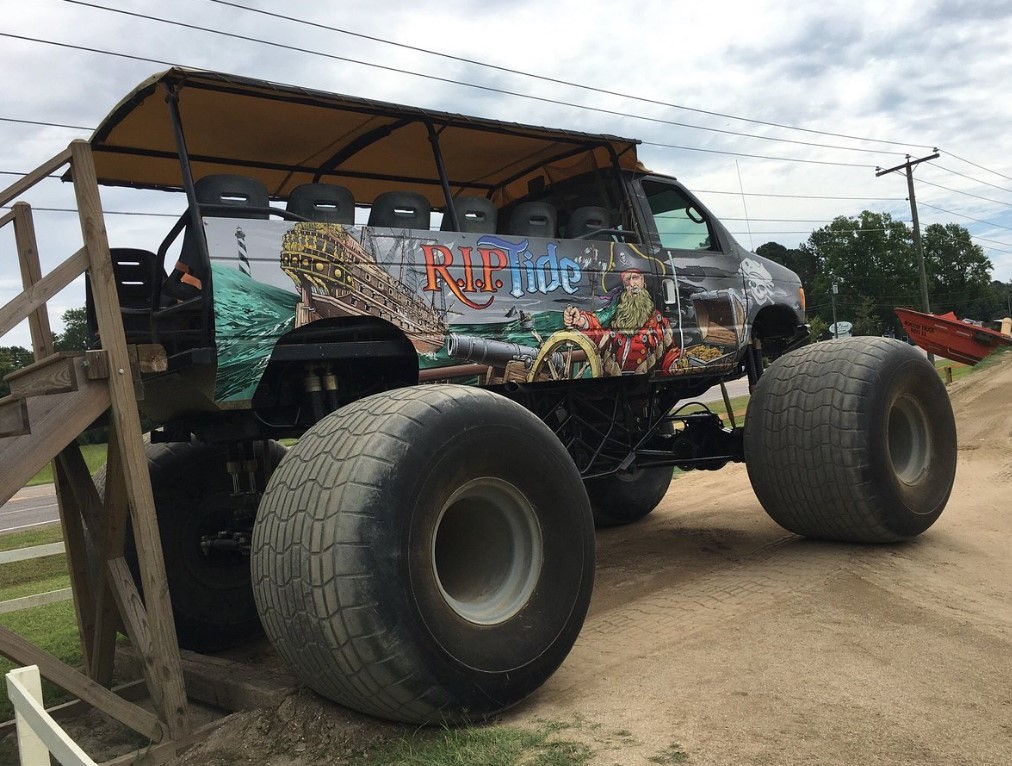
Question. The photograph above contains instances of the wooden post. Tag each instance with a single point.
(70, 504)
(110, 546)
(126, 430)
(31, 272)
(77, 551)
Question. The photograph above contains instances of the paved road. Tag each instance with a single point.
(29, 508)
(734, 388)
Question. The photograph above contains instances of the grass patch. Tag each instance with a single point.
(28, 538)
(491, 745)
(52, 627)
(673, 753)
(996, 357)
(94, 456)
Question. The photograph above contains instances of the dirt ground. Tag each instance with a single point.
(716, 634)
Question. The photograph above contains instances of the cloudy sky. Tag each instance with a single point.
(793, 104)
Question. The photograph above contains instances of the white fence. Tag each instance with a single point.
(24, 554)
(38, 734)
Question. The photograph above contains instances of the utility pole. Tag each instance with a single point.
(832, 298)
(908, 166)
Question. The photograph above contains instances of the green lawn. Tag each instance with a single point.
(94, 456)
(52, 627)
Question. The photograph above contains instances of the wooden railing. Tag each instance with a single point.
(108, 600)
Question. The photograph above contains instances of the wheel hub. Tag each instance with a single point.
(487, 551)
(909, 440)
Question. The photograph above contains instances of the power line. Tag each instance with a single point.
(71, 46)
(802, 196)
(967, 217)
(981, 167)
(696, 191)
(756, 156)
(985, 239)
(503, 91)
(104, 212)
(967, 194)
(160, 62)
(992, 247)
(544, 78)
(777, 220)
(971, 178)
(44, 124)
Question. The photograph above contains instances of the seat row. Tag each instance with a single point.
(331, 203)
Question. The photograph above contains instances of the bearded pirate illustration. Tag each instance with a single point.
(631, 335)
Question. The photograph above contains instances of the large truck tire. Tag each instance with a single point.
(852, 440)
(627, 496)
(212, 598)
(425, 555)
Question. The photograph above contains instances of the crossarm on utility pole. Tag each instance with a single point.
(908, 167)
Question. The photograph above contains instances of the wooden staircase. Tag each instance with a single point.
(51, 403)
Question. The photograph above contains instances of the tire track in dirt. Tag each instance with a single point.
(682, 574)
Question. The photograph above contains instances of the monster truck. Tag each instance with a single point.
(485, 337)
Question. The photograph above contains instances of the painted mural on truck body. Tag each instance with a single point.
(484, 308)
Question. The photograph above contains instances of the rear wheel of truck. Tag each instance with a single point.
(627, 496)
(425, 555)
(852, 440)
(210, 590)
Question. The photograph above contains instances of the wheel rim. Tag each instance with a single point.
(487, 551)
(909, 440)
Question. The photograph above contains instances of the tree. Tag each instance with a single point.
(12, 358)
(959, 274)
(866, 319)
(75, 331)
(871, 258)
(801, 261)
(819, 328)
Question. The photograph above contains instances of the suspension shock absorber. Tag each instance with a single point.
(329, 380)
(755, 362)
(250, 465)
(314, 392)
(234, 465)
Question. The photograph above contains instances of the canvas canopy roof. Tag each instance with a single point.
(284, 136)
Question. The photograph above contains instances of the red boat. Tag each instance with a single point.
(948, 336)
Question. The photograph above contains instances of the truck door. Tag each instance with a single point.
(704, 299)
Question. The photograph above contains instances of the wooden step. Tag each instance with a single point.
(54, 421)
(55, 399)
(56, 374)
(13, 416)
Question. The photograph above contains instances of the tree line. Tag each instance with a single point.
(73, 338)
(872, 259)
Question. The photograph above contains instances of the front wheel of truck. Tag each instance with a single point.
(425, 555)
(852, 440)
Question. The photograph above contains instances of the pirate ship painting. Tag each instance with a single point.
(337, 277)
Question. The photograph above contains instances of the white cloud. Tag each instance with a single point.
(931, 74)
